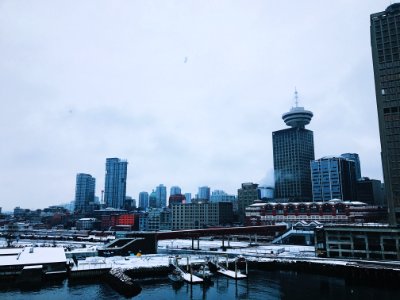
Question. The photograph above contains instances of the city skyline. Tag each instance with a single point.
(176, 95)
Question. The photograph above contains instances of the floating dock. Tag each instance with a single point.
(232, 274)
(190, 278)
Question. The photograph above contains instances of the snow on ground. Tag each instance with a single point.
(135, 262)
(242, 248)
(178, 247)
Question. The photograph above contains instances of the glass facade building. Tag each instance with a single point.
(356, 158)
(143, 200)
(385, 45)
(293, 149)
(188, 197)
(175, 190)
(161, 196)
(84, 192)
(204, 193)
(153, 200)
(333, 178)
(115, 184)
(221, 196)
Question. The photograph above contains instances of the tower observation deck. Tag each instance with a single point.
(297, 116)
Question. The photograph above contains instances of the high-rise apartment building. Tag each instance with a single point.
(153, 200)
(333, 178)
(161, 196)
(385, 44)
(115, 185)
(143, 200)
(84, 192)
(204, 193)
(188, 198)
(293, 149)
(175, 190)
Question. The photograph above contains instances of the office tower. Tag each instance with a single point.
(333, 178)
(161, 196)
(370, 191)
(246, 196)
(204, 193)
(143, 200)
(188, 198)
(385, 44)
(354, 157)
(84, 192)
(115, 185)
(175, 190)
(293, 149)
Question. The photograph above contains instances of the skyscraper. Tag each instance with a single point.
(161, 196)
(153, 200)
(84, 192)
(385, 44)
(293, 149)
(356, 158)
(204, 193)
(175, 190)
(115, 185)
(333, 178)
(188, 198)
(143, 200)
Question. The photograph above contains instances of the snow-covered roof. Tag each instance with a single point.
(31, 256)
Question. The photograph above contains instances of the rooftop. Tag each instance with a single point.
(32, 256)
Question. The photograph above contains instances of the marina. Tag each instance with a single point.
(125, 274)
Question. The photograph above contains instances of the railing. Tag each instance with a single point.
(91, 266)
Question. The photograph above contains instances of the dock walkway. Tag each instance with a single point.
(232, 274)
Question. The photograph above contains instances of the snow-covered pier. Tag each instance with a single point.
(232, 274)
(190, 278)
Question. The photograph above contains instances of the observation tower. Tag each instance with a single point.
(293, 149)
(297, 116)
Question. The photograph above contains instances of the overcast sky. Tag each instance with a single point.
(188, 92)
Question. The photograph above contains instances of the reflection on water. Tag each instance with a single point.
(260, 285)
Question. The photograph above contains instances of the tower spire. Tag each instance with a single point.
(296, 97)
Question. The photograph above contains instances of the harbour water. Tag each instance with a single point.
(259, 285)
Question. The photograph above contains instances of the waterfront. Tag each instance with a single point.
(260, 285)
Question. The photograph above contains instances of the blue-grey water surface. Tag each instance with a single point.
(260, 285)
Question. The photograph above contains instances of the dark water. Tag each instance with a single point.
(260, 285)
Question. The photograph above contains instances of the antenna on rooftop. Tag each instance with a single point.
(296, 97)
